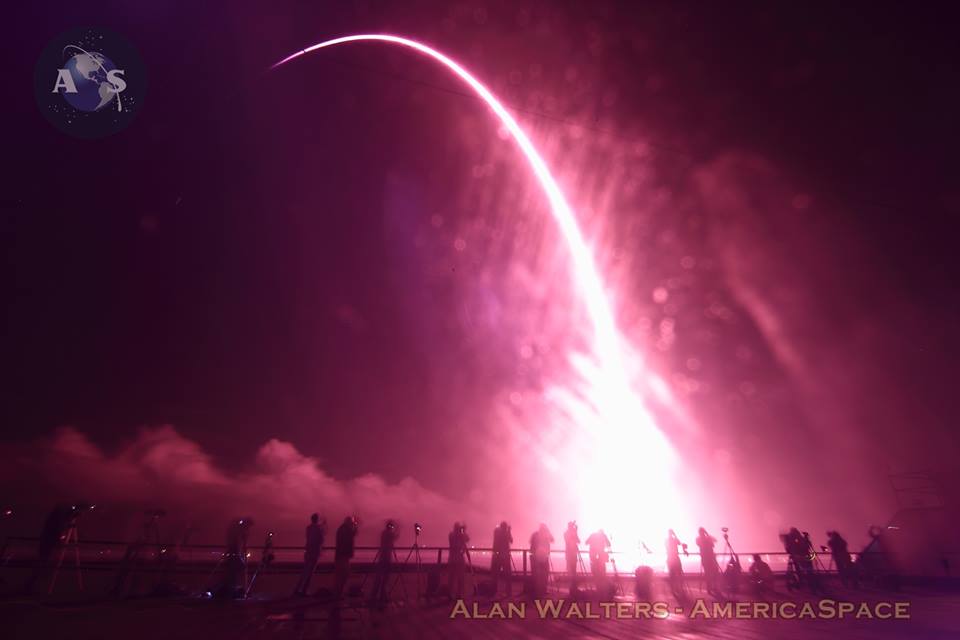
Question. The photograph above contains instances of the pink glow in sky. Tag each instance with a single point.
(616, 444)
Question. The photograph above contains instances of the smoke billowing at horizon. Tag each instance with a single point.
(338, 287)
(159, 468)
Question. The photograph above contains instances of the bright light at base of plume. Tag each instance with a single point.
(622, 465)
(621, 462)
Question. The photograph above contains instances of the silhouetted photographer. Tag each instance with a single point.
(501, 565)
(540, 543)
(674, 566)
(346, 537)
(457, 562)
(800, 554)
(384, 563)
(708, 560)
(599, 545)
(315, 532)
(841, 558)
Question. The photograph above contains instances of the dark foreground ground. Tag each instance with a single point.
(272, 613)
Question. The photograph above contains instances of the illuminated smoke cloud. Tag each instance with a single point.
(162, 469)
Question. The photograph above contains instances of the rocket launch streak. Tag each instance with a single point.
(627, 434)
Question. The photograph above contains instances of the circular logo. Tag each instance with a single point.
(89, 83)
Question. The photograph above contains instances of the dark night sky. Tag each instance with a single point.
(227, 264)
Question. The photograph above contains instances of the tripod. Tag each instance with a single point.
(616, 575)
(70, 538)
(366, 575)
(513, 572)
(733, 570)
(830, 562)
(238, 559)
(473, 577)
(816, 566)
(551, 576)
(234, 561)
(133, 560)
(266, 557)
(728, 548)
(541, 572)
(380, 582)
(208, 583)
(818, 563)
(579, 568)
(813, 565)
(168, 560)
(415, 553)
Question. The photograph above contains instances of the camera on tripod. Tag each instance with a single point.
(417, 528)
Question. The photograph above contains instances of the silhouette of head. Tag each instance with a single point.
(504, 525)
(756, 558)
(314, 518)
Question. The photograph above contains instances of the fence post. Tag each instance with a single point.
(524, 563)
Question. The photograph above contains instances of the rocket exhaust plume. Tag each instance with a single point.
(617, 443)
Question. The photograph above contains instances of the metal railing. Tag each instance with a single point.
(108, 553)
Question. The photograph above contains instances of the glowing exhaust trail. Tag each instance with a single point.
(589, 280)
(630, 448)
